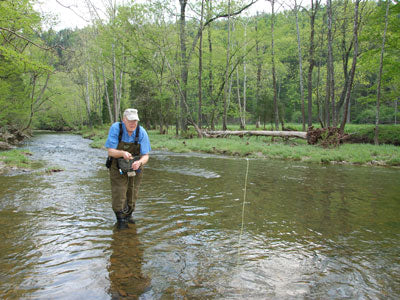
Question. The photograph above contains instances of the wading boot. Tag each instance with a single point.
(130, 219)
(122, 222)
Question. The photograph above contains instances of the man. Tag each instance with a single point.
(132, 144)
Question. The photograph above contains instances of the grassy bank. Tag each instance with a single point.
(16, 158)
(266, 147)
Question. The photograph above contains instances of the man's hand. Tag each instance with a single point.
(126, 155)
(136, 165)
(119, 153)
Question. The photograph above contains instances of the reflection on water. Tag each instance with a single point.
(310, 231)
(125, 267)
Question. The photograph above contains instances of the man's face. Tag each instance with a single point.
(130, 125)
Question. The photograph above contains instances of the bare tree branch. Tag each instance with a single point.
(213, 19)
(231, 14)
(29, 41)
(71, 9)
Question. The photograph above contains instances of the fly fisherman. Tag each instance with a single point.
(128, 148)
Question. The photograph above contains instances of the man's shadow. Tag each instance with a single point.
(125, 268)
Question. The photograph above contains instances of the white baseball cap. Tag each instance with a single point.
(131, 114)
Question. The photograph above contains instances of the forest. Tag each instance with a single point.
(203, 64)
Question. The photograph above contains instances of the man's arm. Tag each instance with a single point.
(142, 161)
(126, 155)
(119, 153)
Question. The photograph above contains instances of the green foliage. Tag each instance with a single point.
(63, 110)
(23, 62)
(16, 158)
(388, 134)
(386, 116)
(136, 51)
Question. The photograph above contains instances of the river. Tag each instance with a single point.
(309, 231)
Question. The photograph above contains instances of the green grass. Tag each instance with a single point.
(16, 158)
(98, 135)
(266, 147)
(19, 159)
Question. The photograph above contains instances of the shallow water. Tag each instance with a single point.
(309, 231)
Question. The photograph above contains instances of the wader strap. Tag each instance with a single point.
(137, 134)
(120, 132)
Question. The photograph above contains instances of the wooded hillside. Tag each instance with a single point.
(327, 62)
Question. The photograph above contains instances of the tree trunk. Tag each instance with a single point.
(353, 66)
(161, 92)
(230, 76)
(331, 82)
(225, 114)
(238, 97)
(345, 61)
(87, 97)
(314, 9)
(36, 102)
(378, 97)
(276, 110)
(120, 91)
(258, 85)
(327, 116)
(210, 67)
(184, 65)
(319, 109)
(200, 115)
(114, 72)
(107, 97)
(243, 117)
(303, 114)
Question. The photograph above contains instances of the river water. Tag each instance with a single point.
(308, 232)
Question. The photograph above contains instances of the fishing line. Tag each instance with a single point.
(244, 201)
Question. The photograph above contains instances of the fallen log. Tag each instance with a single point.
(298, 134)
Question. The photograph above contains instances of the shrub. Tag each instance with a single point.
(386, 116)
(388, 134)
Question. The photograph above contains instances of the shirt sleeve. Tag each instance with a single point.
(112, 140)
(144, 141)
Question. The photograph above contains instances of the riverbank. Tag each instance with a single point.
(292, 149)
(15, 159)
(266, 148)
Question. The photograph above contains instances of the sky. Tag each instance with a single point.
(74, 13)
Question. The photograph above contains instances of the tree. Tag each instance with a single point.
(228, 47)
(276, 110)
(22, 63)
(378, 97)
(311, 61)
(353, 66)
(330, 70)
(296, 10)
(200, 115)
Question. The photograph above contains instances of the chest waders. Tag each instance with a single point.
(124, 188)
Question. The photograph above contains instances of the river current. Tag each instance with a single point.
(305, 231)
